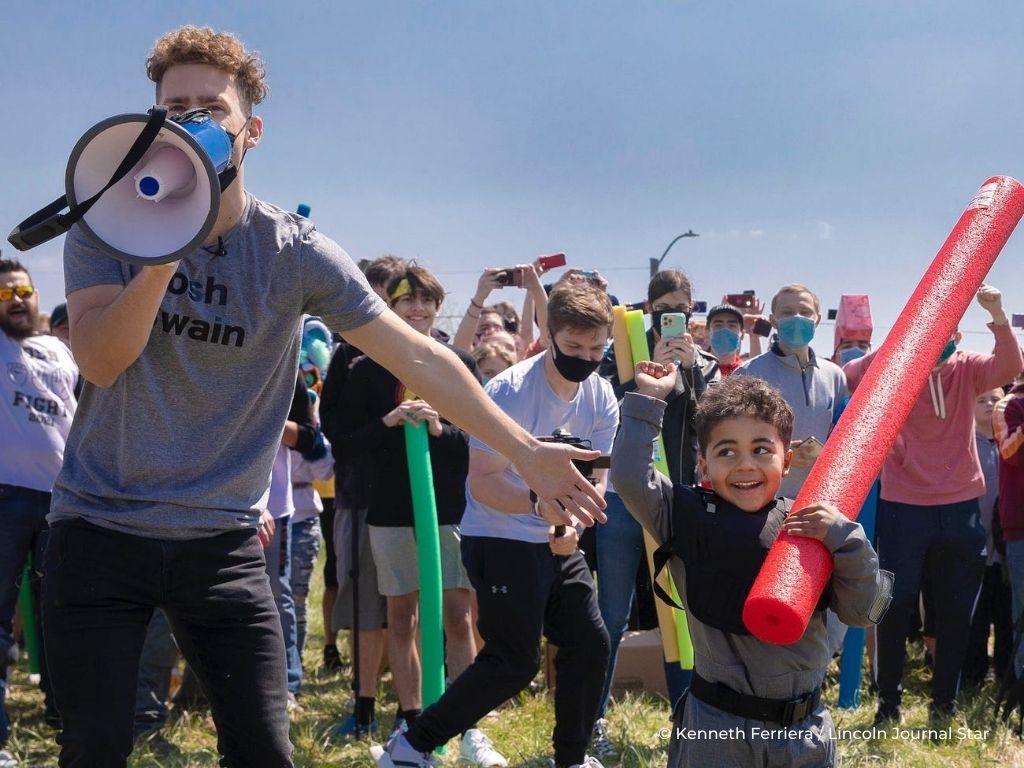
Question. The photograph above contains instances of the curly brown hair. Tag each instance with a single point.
(737, 396)
(203, 45)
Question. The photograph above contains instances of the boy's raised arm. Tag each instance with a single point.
(646, 493)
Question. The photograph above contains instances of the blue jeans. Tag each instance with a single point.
(279, 569)
(305, 548)
(620, 548)
(159, 655)
(1015, 564)
(99, 591)
(22, 530)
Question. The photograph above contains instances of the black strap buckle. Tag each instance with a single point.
(796, 710)
(23, 238)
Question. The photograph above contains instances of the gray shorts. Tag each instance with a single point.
(394, 553)
(373, 612)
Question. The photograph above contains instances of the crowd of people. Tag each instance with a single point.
(172, 494)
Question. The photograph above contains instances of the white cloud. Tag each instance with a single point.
(756, 233)
(824, 230)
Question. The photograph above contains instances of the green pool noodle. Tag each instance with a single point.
(428, 553)
(28, 618)
(641, 351)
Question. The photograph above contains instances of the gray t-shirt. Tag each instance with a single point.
(181, 445)
(524, 393)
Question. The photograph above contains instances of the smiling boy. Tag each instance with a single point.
(764, 700)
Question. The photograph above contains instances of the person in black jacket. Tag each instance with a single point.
(346, 536)
(377, 406)
(620, 545)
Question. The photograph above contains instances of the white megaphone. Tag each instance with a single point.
(145, 188)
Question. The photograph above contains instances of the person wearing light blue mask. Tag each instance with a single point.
(812, 386)
(725, 333)
(850, 349)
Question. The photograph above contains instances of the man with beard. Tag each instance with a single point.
(37, 385)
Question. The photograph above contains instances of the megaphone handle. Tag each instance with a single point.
(46, 223)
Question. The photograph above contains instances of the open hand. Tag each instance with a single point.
(813, 522)
(562, 492)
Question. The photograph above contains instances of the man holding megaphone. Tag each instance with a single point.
(191, 365)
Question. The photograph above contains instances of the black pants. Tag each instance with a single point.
(99, 591)
(944, 543)
(524, 590)
(993, 613)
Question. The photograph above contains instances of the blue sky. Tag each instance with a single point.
(831, 144)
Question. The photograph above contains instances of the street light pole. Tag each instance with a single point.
(656, 263)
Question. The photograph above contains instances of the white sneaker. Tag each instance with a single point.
(477, 749)
(399, 753)
(588, 762)
(7, 760)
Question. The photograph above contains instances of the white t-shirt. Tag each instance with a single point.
(523, 392)
(307, 501)
(38, 390)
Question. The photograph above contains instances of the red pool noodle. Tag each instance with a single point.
(797, 569)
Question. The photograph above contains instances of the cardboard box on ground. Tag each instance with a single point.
(639, 668)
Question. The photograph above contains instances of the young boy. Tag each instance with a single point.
(750, 702)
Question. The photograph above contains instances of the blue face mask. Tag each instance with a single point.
(851, 353)
(725, 342)
(796, 331)
(947, 351)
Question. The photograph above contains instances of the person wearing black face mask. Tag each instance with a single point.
(527, 580)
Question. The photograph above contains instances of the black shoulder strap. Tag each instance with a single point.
(661, 557)
(47, 223)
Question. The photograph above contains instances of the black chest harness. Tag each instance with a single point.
(723, 549)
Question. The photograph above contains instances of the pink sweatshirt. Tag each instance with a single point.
(935, 458)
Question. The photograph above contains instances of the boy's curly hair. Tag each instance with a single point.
(736, 396)
(203, 45)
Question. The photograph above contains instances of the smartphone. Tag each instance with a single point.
(1017, 321)
(745, 300)
(673, 325)
(511, 276)
(811, 447)
(762, 327)
(551, 261)
(700, 307)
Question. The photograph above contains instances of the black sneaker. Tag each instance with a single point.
(332, 659)
(887, 716)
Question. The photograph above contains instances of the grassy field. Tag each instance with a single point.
(521, 729)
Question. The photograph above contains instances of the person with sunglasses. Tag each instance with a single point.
(39, 398)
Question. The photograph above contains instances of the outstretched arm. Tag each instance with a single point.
(437, 375)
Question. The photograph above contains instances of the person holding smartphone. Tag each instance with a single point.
(620, 544)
